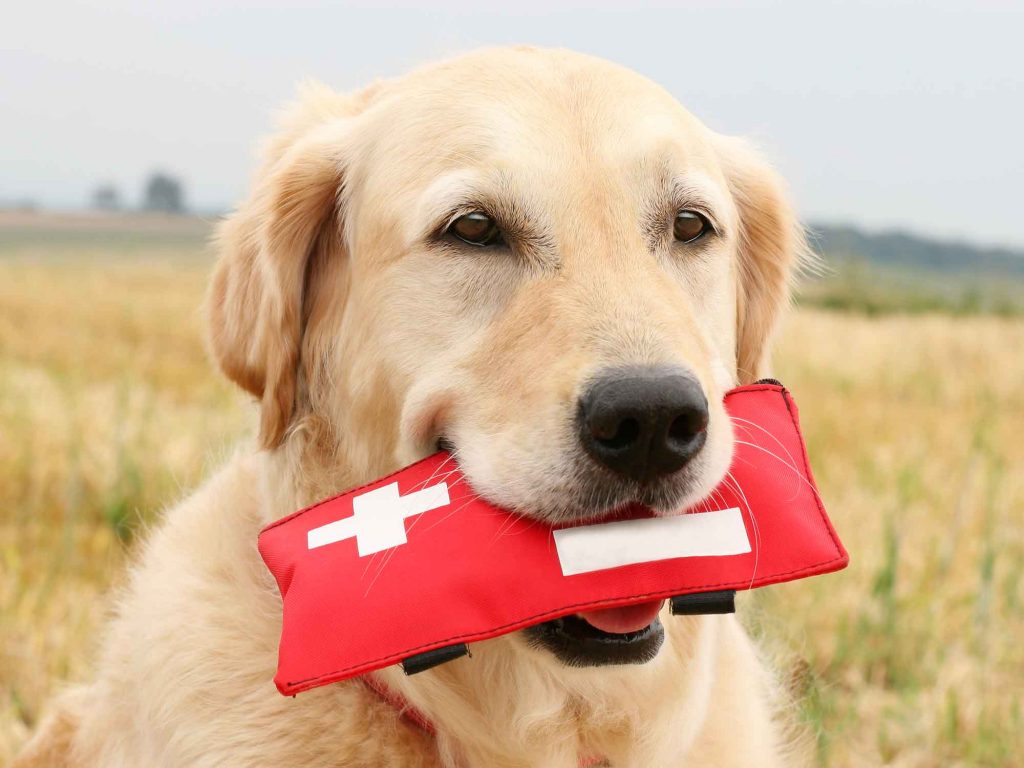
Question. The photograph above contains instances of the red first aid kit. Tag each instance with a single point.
(411, 567)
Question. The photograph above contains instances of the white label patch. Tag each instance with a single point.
(587, 548)
(378, 518)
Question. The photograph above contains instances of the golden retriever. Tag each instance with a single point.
(463, 256)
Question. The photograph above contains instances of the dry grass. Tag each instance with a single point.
(912, 657)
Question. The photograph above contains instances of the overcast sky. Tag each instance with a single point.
(883, 114)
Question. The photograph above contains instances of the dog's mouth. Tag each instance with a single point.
(627, 635)
(624, 635)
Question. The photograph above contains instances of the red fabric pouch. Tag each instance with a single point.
(411, 567)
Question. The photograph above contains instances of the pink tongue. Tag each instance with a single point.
(628, 618)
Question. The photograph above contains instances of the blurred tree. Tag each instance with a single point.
(163, 193)
(106, 198)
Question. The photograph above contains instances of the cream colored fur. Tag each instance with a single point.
(364, 339)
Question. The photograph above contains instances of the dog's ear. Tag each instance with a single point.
(256, 304)
(770, 251)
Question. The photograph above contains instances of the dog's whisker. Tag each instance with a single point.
(452, 512)
(507, 526)
(796, 472)
(530, 522)
(461, 479)
(437, 469)
(732, 483)
(782, 445)
(369, 564)
(390, 553)
(416, 519)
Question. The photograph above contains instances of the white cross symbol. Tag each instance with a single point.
(378, 518)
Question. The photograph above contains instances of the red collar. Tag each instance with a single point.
(407, 711)
(399, 703)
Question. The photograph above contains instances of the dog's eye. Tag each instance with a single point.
(476, 228)
(690, 226)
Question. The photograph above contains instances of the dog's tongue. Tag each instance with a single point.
(628, 618)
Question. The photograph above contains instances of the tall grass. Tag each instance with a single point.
(912, 657)
(109, 412)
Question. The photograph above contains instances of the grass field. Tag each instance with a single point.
(914, 656)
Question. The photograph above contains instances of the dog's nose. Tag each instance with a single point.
(643, 422)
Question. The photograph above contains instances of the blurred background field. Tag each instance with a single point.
(910, 379)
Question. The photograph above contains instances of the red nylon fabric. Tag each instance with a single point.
(470, 571)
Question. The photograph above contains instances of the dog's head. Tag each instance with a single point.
(535, 258)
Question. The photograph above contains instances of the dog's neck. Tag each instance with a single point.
(512, 705)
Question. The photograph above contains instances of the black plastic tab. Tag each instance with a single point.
(701, 603)
(429, 659)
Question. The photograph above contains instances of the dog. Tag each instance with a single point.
(540, 261)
